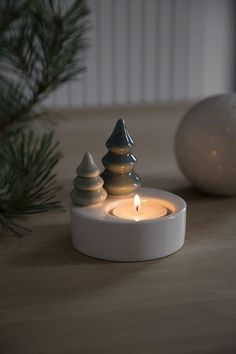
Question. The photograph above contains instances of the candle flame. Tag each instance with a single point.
(137, 202)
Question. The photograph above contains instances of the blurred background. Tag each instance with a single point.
(148, 51)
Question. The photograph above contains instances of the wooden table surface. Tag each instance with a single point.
(55, 300)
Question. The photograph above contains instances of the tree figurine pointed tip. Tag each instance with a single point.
(88, 185)
(120, 141)
(120, 125)
(119, 175)
(87, 167)
(88, 158)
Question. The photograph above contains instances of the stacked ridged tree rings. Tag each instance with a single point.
(119, 175)
(88, 185)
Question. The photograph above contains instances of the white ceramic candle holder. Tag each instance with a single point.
(98, 233)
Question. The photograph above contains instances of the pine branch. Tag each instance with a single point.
(27, 185)
(42, 46)
(39, 52)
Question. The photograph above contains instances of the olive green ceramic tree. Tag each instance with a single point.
(88, 184)
(119, 175)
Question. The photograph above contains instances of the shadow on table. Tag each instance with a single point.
(51, 245)
(53, 268)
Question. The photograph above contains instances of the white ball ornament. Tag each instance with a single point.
(205, 145)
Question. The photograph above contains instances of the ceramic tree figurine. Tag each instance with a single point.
(119, 176)
(88, 185)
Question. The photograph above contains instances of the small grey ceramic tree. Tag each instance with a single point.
(119, 175)
(88, 185)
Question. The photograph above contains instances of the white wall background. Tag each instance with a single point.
(145, 51)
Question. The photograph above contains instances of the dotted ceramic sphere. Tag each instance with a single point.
(206, 145)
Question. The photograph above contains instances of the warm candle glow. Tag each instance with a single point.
(137, 209)
(137, 202)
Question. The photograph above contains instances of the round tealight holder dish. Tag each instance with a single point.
(98, 233)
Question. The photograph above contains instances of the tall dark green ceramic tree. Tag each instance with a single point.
(119, 175)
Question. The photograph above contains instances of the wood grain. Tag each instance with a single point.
(55, 300)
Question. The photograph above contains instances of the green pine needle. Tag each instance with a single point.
(27, 184)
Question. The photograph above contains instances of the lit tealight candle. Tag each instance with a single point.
(148, 209)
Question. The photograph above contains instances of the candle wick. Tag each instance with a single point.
(137, 208)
